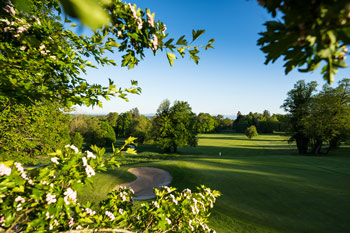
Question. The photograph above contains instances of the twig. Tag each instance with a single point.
(19, 217)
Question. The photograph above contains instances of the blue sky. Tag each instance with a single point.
(231, 77)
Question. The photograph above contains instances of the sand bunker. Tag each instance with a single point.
(147, 179)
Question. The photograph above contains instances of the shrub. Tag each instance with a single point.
(45, 199)
(77, 140)
(251, 132)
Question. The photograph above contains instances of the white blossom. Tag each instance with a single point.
(70, 194)
(55, 222)
(90, 154)
(204, 227)
(154, 42)
(84, 161)
(4, 170)
(121, 211)
(36, 19)
(166, 188)
(9, 8)
(174, 199)
(24, 176)
(48, 215)
(187, 191)
(110, 215)
(202, 205)
(133, 10)
(90, 211)
(21, 170)
(155, 204)
(78, 227)
(55, 160)
(19, 167)
(76, 150)
(193, 210)
(164, 29)
(30, 181)
(150, 19)
(23, 28)
(42, 47)
(50, 198)
(20, 199)
(71, 222)
(168, 220)
(119, 33)
(139, 23)
(89, 171)
(189, 223)
(2, 220)
(5, 21)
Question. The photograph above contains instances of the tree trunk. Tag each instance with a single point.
(317, 147)
(334, 143)
(167, 149)
(302, 143)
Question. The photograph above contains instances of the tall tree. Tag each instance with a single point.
(174, 126)
(206, 123)
(329, 118)
(298, 105)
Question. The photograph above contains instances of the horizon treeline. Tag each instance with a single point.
(132, 123)
(37, 134)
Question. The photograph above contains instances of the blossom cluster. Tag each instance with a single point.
(70, 195)
(19, 205)
(20, 169)
(110, 215)
(134, 14)
(74, 148)
(50, 198)
(18, 26)
(57, 207)
(4, 170)
(90, 211)
(88, 169)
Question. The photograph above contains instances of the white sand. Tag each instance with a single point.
(147, 179)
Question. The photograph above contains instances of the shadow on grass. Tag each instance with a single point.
(260, 193)
(243, 139)
(237, 151)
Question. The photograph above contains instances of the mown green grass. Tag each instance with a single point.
(103, 183)
(266, 186)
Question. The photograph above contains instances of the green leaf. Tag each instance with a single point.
(171, 58)
(181, 51)
(181, 41)
(89, 12)
(19, 189)
(196, 34)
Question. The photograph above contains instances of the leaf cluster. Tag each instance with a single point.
(307, 34)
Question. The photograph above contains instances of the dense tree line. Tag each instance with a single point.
(264, 123)
(42, 128)
(318, 118)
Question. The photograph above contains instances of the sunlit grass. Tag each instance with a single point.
(266, 185)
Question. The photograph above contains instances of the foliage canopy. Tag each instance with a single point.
(307, 34)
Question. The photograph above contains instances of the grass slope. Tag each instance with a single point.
(266, 186)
